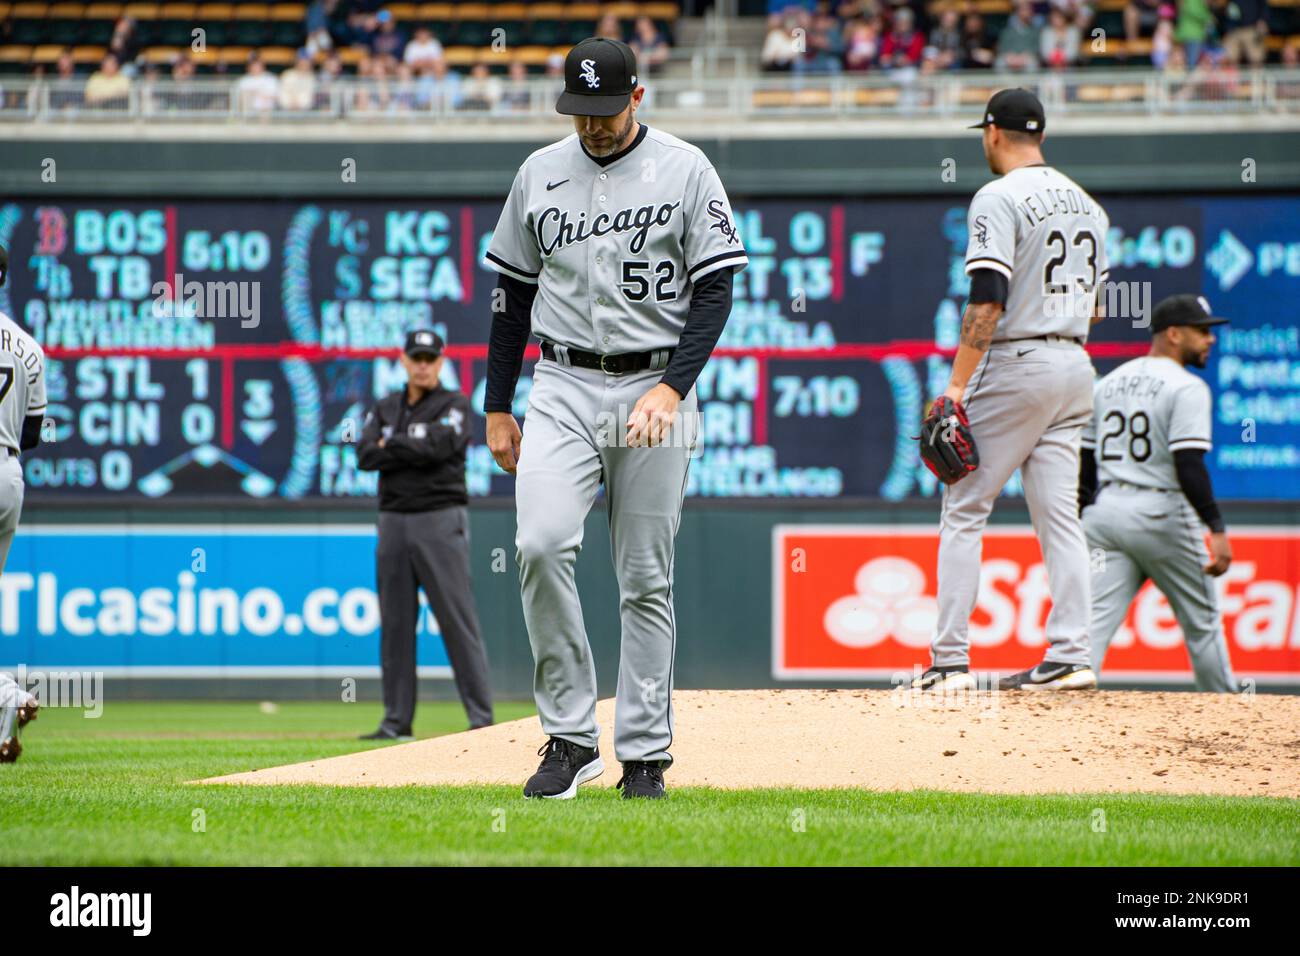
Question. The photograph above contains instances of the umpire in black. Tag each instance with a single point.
(416, 439)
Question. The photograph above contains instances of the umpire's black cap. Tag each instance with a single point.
(1183, 310)
(599, 78)
(424, 342)
(1016, 109)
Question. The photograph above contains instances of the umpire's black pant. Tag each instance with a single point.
(428, 549)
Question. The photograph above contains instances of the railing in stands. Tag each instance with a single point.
(1117, 92)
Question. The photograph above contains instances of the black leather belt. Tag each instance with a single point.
(619, 364)
(13, 452)
(1041, 338)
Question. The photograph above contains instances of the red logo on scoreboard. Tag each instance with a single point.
(852, 601)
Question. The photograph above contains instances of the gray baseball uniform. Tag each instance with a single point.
(22, 393)
(614, 249)
(1141, 522)
(1028, 399)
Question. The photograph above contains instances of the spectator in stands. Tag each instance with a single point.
(439, 87)
(944, 51)
(515, 96)
(783, 44)
(863, 46)
(649, 45)
(319, 14)
(388, 40)
(1192, 28)
(609, 27)
(824, 46)
(1058, 44)
(423, 49)
(125, 43)
(298, 85)
(108, 87)
(406, 93)
(1018, 42)
(482, 91)
(257, 89)
(903, 44)
(1142, 16)
(65, 68)
(1245, 25)
(976, 51)
(1162, 43)
(555, 66)
(1077, 12)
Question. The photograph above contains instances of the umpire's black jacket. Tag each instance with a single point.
(422, 464)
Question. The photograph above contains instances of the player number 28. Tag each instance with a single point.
(1138, 427)
(636, 284)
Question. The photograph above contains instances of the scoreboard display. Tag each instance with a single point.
(231, 349)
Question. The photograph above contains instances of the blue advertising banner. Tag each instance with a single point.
(200, 601)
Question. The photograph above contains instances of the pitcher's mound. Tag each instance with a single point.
(1026, 742)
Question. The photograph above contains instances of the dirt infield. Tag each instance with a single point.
(1105, 741)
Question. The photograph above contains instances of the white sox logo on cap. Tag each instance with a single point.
(589, 73)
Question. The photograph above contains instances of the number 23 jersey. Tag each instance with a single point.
(1039, 228)
(1143, 412)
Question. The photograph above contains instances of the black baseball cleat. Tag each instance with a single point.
(564, 766)
(945, 679)
(27, 712)
(384, 734)
(1050, 675)
(642, 778)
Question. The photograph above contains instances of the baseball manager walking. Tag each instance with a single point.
(617, 247)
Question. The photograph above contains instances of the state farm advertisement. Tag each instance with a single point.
(857, 601)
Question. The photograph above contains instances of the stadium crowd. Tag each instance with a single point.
(399, 70)
(912, 36)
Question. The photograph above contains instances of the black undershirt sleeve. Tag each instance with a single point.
(31, 436)
(710, 308)
(1194, 479)
(507, 342)
(1087, 477)
(988, 285)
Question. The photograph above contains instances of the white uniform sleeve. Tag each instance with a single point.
(36, 386)
(1089, 439)
(711, 241)
(513, 250)
(1189, 419)
(991, 230)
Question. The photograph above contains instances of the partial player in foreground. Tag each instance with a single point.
(22, 410)
(1146, 492)
(1020, 387)
(617, 246)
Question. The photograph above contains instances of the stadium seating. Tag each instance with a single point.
(36, 33)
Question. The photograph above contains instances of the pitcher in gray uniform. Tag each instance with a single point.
(1144, 449)
(22, 410)
(617, 247)
(1036, 257)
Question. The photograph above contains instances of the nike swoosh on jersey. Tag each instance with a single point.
(1021, 353)
(550, 186)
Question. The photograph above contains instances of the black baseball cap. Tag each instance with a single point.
(1014, 109)
(599, 78)
(424, 342)
(1183, 310)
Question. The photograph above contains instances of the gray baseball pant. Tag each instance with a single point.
(428, 549)
(1146, 534)
(1027, 403)
(573, 441)
(11, 502)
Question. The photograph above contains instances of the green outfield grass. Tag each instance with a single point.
(112, 791)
